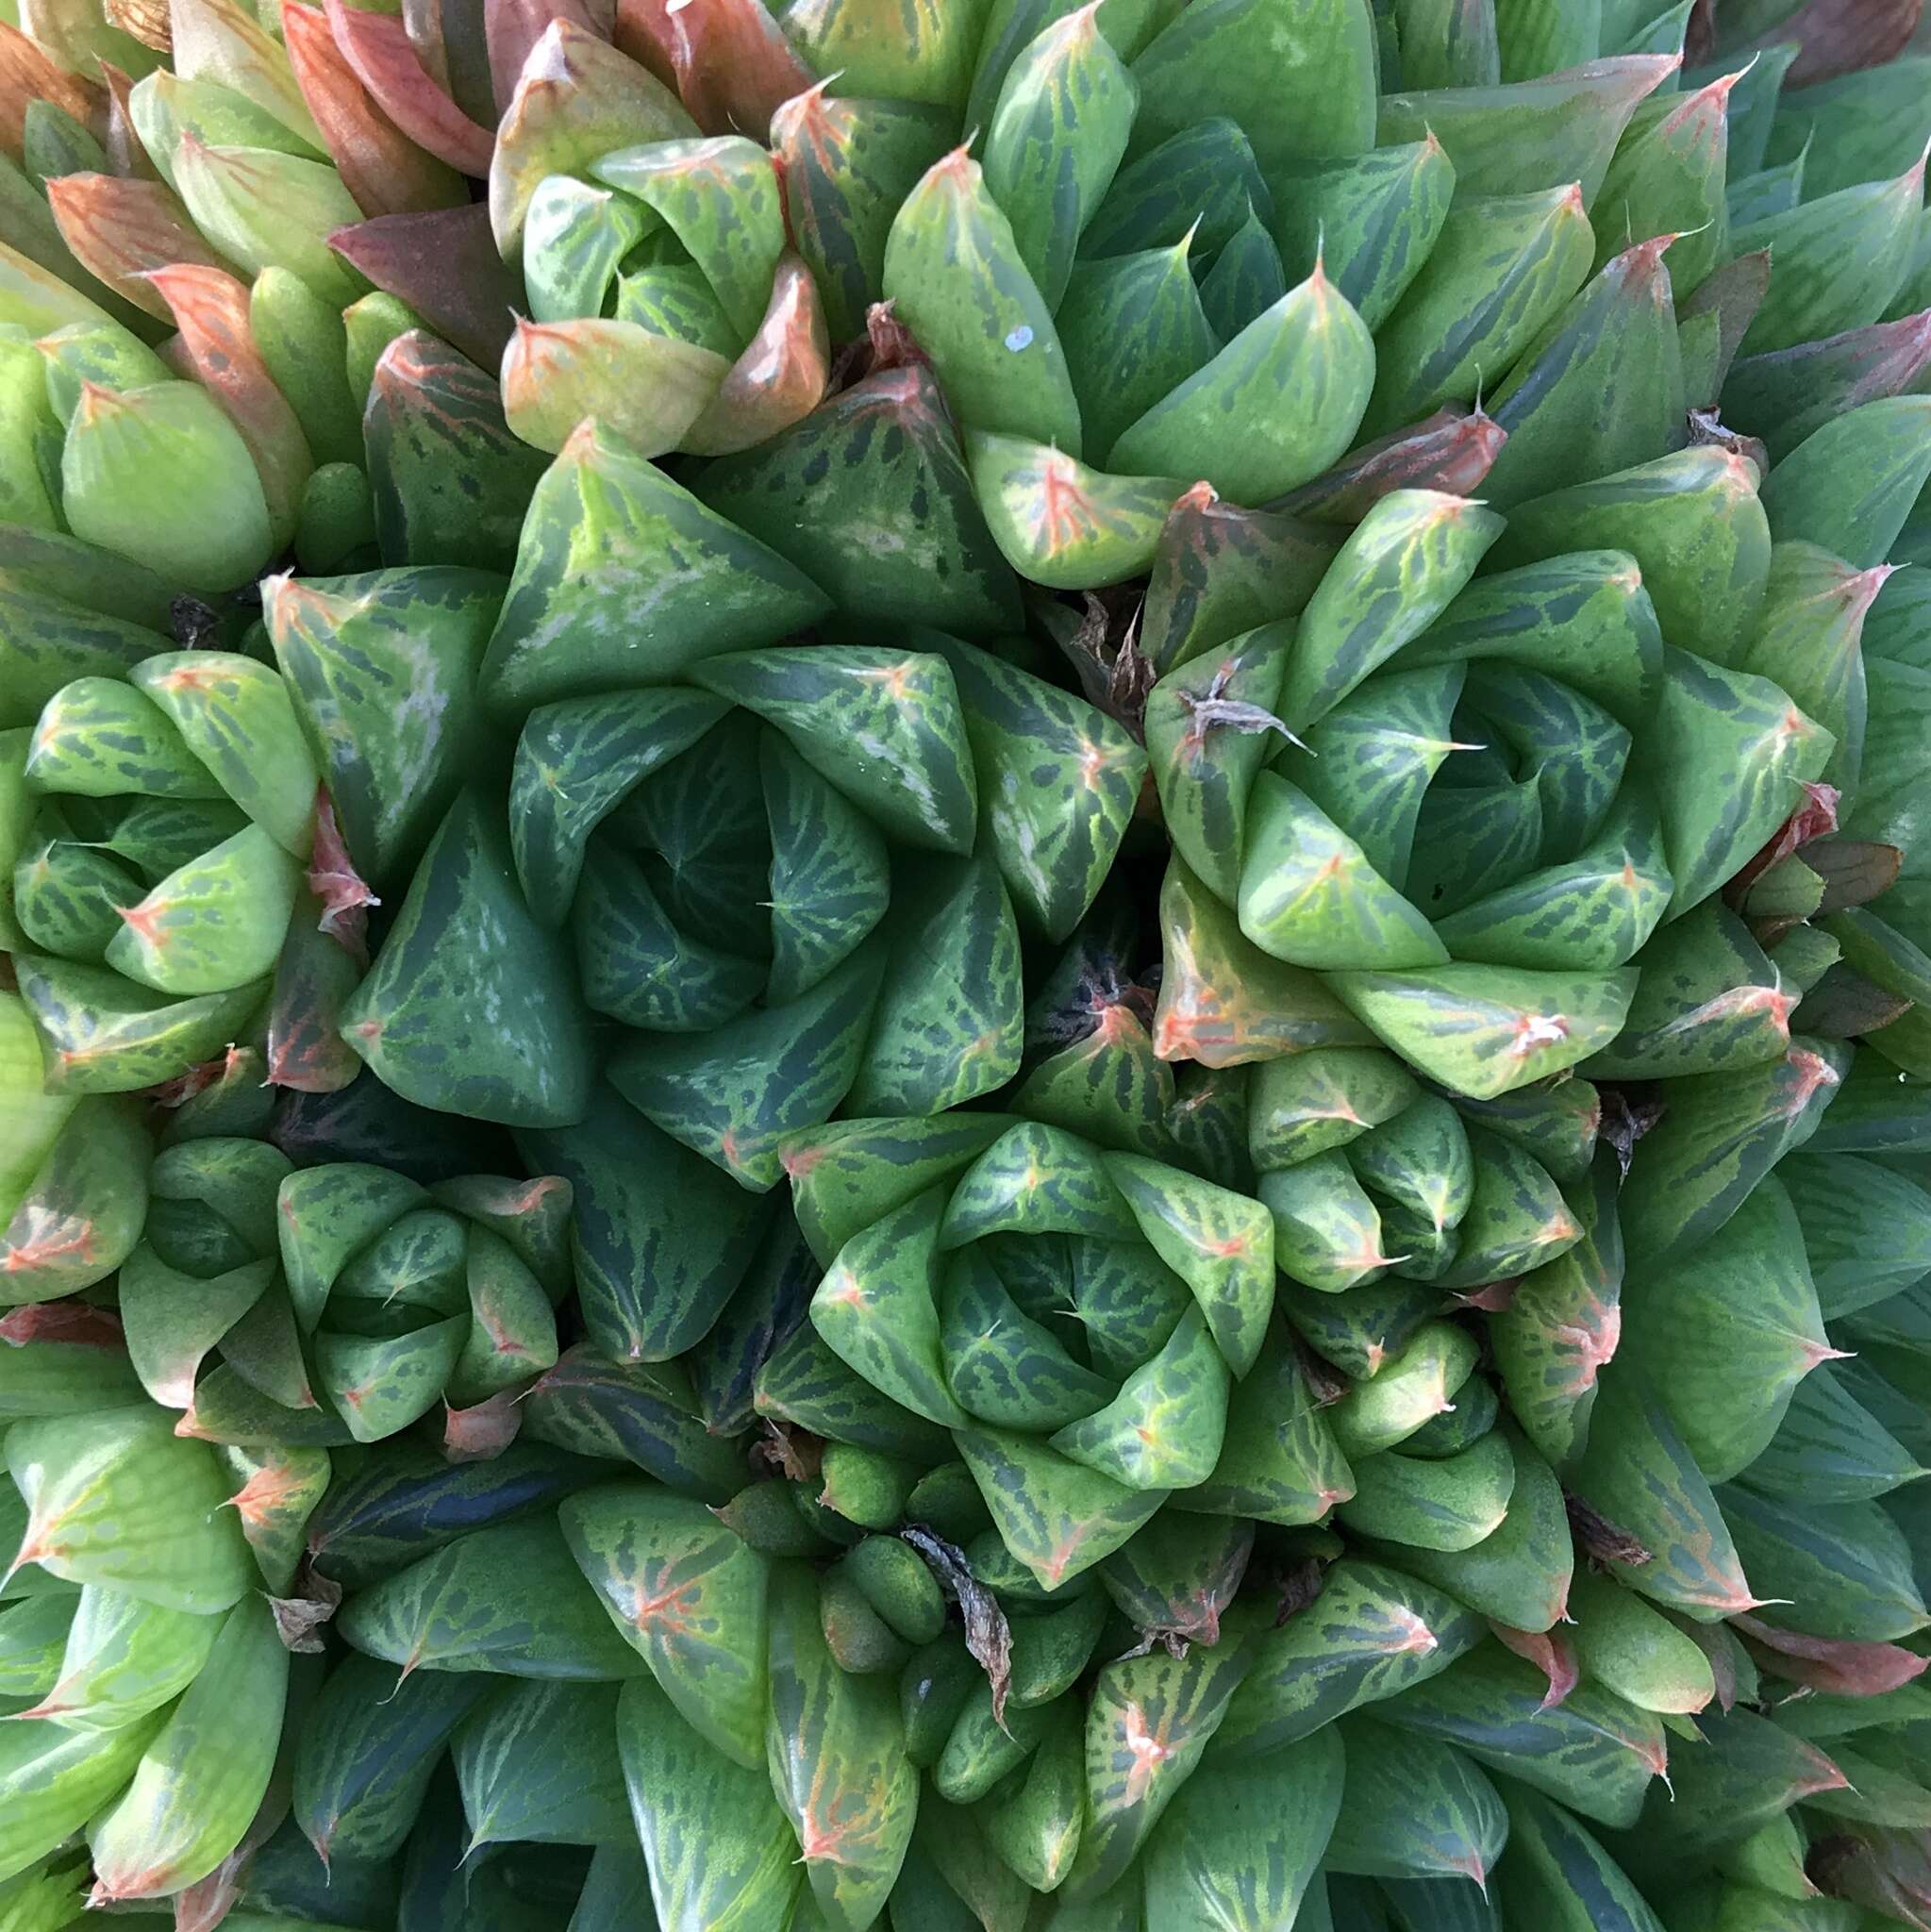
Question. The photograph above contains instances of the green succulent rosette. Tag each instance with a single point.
(732, 833)
(166, 817)
(1093, 1326)
(664, 298)
(271, 1305)
(1469, 822)
(144, 1674)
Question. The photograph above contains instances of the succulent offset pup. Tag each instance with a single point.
(962, 965)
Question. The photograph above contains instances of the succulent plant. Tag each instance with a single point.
(964, 966)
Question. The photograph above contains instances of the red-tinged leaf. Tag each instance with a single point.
(644, 32)
(333, 878)
(732, 64)
(512, 27)
(377, 47)
(1841, 35)
(1887, 1871)
(184, 1087)
(1853, 871)
(125, 154)
(1493, 1298)
(27, 75)
(444, 263)
(1816, 818)
(314, 978)
(483, 1430)
(1711, 1639)
(385, 171)
(64, 1321)
(780, 378)
(1551, 1653)
(1832, 1665)
(120, 231)
(206, 1905)
(1450, 451)
(211, 310)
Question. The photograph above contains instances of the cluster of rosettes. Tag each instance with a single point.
(964, 966)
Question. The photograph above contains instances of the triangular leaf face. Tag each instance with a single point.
(1450, 1505)
(662, 1237)
(1037, 1179)
(602, 521)
(1310, 896)
(1150, 1719)
(803, 1382)
(789, 1069)
(1601, 390)
(1220, 1243)
(1831, 1448)
(1242, 1845)
(118, 1499)
(381, 1385)
(100, 1033)
(1403, 565)
(1369, 761)
(881, 454)
(949, 1022)
(1204, 767)
(1730, 754)
(1225, 1003)
(1164, 1430)
(1749, 1285)
(507, 1599)
(1327, 1232)
(1636, 1473)
(451, 483)
(1370, 1634)
(1279, 404)
(1723, 1134)
(836, 1750)
(382, 667)
(1597, 909)
(1486, 1030)
(688, 1595)
(1279, 1462)
(1592, 1752)
(513, 1789)
(884, 727)
(1413, 1808)
(1842, 1570)
(715, 1839)
(878, 1309)
(1517, 1217)
(454, 1015)
(848, 164)
(1058, 784)
(1708, 998)
(849, 1174)
(1003, 1366)
(214, 922)
(1058, 1517)
(1563, 1324)
(953, 270)
(830, 874)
